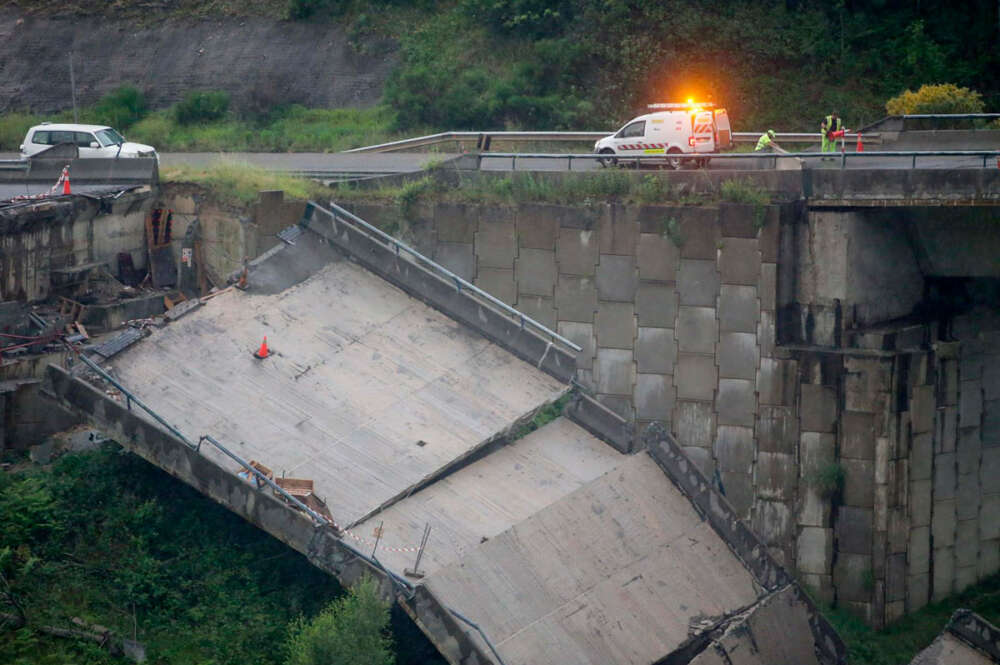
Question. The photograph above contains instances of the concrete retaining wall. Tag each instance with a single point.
(41, 238)
(228, 234)
(677, 311)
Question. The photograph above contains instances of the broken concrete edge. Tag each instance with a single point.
(320, 544)
(743, 542)
(713, 636)
(445, 297)
(602, 422)
(976, 631)
(486, 447)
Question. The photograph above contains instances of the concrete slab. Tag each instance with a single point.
(368, 390)
(617, 278)
(491, 495)
(625, 555)
(697, 329)
(615, 325)
(739, 310)
(536, 272)
(656, 305)
(947, 649)
(658, 257)
(576, 251)
(576, 298)
(496, 246)
(655, 350)
(698, 282)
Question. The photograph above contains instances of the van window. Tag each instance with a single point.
(634, 130)
(41, 138)
(83, 139)
(61, 137)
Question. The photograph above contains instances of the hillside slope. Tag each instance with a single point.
(259, 61)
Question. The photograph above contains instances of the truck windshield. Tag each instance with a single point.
(109, 137)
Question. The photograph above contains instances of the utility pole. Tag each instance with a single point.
(72, 86)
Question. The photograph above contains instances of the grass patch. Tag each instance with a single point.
(584, 189)
(238, 183)
(543, 417)
(900, 642)
(290, 129)
(109, 538)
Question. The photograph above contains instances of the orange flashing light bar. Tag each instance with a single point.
(681, 106)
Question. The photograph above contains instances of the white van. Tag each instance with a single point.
(91, 141)
(677, 129)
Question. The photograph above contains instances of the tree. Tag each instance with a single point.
(352, 630)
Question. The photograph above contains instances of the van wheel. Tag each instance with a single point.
(608, 161)
(674, 162)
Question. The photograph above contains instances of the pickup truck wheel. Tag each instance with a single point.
(608, 161)
(674, 162)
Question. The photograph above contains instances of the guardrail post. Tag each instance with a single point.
(914, 164)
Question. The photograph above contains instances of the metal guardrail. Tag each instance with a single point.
(946, 116)
(319, 520)
(340, 214)
(986, 155)
(483, 138)
(14, 165)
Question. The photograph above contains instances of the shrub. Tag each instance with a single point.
(303, 9)
(120, 108)
(351, 629)
(201, 106)
(943, 98)
(13, 127)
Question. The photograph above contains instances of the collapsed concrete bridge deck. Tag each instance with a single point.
(560, 547)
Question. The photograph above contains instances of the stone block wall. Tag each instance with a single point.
(866, 470)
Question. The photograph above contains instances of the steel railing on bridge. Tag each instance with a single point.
(842, 157)
(340, 214)
(262, 479)
(483, 140)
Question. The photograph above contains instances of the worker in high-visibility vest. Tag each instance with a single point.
(828, 128)
(766, 141)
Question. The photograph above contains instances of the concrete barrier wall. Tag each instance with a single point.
(907, 187)
(95, 171)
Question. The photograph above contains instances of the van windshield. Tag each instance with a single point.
(109, 137)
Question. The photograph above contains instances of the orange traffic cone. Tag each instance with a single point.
(262, 352)
(861, 146)
(66, 189)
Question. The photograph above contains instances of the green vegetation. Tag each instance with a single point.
(201, 106)
(555, 64)
(121, 108)
(203, 121)
(351, 629)
(106, 537)
(238, 183)
(900, 642)
(944, 98)
(543, 416)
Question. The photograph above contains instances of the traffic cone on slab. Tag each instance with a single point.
(263, 351)
(861, 146)
(66, 189)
